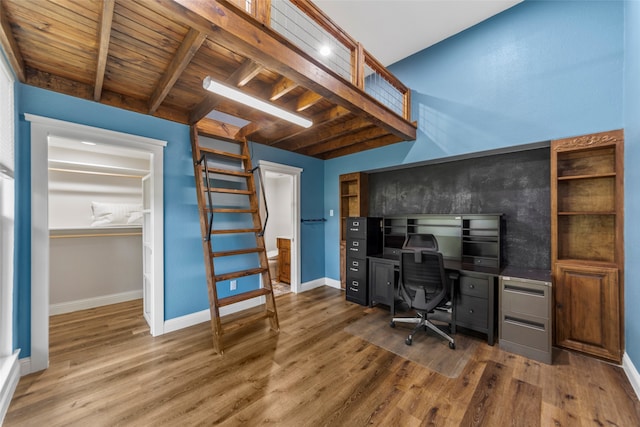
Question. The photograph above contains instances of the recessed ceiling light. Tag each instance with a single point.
(325, 50)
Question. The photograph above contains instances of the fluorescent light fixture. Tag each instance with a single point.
(88, 143)
(236, 95)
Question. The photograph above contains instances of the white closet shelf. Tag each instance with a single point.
(94, 168)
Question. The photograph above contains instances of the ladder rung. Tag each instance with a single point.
(236, 252)
(227, 190)
(244, 321)
(231, 210)
(237, 274)
(243, 296)
(237, 231)
(221, 153)
(228, 172)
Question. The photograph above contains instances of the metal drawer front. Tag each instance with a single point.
(525, 298)
(531, 332)
(356, 228)
(356, 248)
(474, 286)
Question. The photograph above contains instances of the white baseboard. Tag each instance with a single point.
(25, 366)
(333, 283)
(205, 315)
(187, 320)
(83, 304)
(632, 373)
(307, 286)
(9, 377)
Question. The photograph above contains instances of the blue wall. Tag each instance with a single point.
(185, 284)
(632, 179)
(538, 71)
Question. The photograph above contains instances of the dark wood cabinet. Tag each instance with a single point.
(284, 260)
(475, 303)
(383, 277)
(588, 309)
(587, 243)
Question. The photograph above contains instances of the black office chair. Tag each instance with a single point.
(423, 285)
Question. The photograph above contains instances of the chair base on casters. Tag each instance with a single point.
(421, 321)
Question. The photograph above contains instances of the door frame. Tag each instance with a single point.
(294, 173)
(41, 129)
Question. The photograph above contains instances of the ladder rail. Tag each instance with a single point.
(203, 160)
(264, 198)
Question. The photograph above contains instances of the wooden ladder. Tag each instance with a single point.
(207, 179)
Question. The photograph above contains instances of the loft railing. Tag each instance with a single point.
(301, 22)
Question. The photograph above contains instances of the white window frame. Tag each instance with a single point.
(9, 365)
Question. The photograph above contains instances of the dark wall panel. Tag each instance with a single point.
(514, 184)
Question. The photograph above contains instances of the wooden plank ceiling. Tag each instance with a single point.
(151, 56)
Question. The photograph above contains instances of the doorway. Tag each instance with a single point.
(282, 190)
(42, 129)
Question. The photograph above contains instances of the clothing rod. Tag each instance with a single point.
(120, 175)
(72, 236)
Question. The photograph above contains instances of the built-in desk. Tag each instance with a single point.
(474, 296)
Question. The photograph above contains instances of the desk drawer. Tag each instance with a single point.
(474, 286)
(472, 312)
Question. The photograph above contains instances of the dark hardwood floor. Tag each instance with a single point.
(106, 370)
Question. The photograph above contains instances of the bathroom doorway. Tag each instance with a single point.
(282, 212)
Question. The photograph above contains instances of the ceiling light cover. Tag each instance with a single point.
(239, 96)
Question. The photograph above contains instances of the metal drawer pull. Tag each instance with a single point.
(526, 323)
(471, 311)
(354, 283)
(355, 223)
(355, 263)
(355, 243)
(530, 291)
(472, 286)
(353, 269)
(354, 290)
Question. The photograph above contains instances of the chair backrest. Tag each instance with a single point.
(421, 242)
(423, 282)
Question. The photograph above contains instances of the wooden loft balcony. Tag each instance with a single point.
(151, 56)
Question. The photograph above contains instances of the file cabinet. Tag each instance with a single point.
(525, 318)
(364, 237)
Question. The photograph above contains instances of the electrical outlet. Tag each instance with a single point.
(233, 284)
(330, 212)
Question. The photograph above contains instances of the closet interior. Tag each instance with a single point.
(95, 224)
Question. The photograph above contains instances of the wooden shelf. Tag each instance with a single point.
(586, 242)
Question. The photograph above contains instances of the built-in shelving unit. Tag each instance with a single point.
(474, 239)
(354, 202)
(587, 247)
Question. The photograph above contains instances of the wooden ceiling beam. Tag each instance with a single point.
(324, 117)
(188, 48)
(281, 88)
(362, 146)
(252, 40)
(322, 135)
(104, 36)
(217, 129)
(344, 141)
(306, 100)
(85, 91)
(243, 75)
(10, 46)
